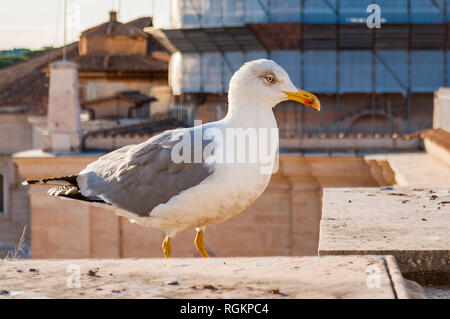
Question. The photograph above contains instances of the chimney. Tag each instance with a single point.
(63, 132)
(112, 16)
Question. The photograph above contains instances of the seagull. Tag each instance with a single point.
(189, 178)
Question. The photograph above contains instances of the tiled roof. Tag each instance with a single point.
(141, 23)
(142, 128)
(114, 27)
(133, 96)
(121, 63)
(29, 90)
(25, 83)
(14, 72)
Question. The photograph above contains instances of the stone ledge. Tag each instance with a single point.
(409, 223)
(437, 136)
(270, 277)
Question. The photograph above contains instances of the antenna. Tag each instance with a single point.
(153, 12)
(65, 29)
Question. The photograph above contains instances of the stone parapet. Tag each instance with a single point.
(335, 277)
(411, 224)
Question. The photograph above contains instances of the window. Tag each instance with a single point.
(2, 194)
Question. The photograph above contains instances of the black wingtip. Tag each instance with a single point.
(31, 182)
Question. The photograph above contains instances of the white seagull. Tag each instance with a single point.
(146, 184)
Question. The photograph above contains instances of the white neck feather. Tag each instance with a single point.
(250, 116)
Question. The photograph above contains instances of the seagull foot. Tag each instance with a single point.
(167, 247)
(200, 244)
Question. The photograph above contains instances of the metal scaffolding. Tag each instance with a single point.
(325, 46)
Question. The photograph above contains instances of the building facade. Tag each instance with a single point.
(369, 80)
(120, 72)
(115, 61)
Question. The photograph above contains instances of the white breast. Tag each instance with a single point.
(225, 193)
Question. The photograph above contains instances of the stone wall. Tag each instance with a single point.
(284, 221)
(16, 209)
(113, 45)
(15, 133)
(441, 109)
(97, 88)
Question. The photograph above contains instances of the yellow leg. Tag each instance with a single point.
(167, 247)
(200, 244)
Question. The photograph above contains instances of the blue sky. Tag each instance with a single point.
(38, 23)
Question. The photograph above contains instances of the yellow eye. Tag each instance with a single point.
(270, 78)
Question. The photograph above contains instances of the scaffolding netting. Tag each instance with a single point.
(321, 71)
(208, 13)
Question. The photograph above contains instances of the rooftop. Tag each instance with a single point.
(115, 28)
(26, 84)
(120, 63)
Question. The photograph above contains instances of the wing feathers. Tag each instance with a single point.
(140, 177)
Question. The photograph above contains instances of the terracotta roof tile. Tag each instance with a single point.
(121, 63)
(141, 23)
(149, 127)
(29, 85)
(29, 90)
(113, 28)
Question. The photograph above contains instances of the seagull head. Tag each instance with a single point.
(263, 82)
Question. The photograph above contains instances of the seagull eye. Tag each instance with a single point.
(270, 78)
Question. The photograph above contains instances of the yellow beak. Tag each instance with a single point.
(304, 97)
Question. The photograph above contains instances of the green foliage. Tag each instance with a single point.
(9, 57)
(14, 52)
(29, 53)
(6, 60)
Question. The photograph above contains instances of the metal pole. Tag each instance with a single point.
(65, 29)
(408, 100)
(445, 45)
(302, 69)
(372, 98)
(338, 62)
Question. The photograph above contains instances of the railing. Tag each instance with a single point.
(398, 127)
(181, 112)
(365, 127)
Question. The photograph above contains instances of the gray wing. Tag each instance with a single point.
(137, 178)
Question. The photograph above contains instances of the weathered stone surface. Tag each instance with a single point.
(411, 224)
(417, 169)
(273, 277)
(14, 213)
